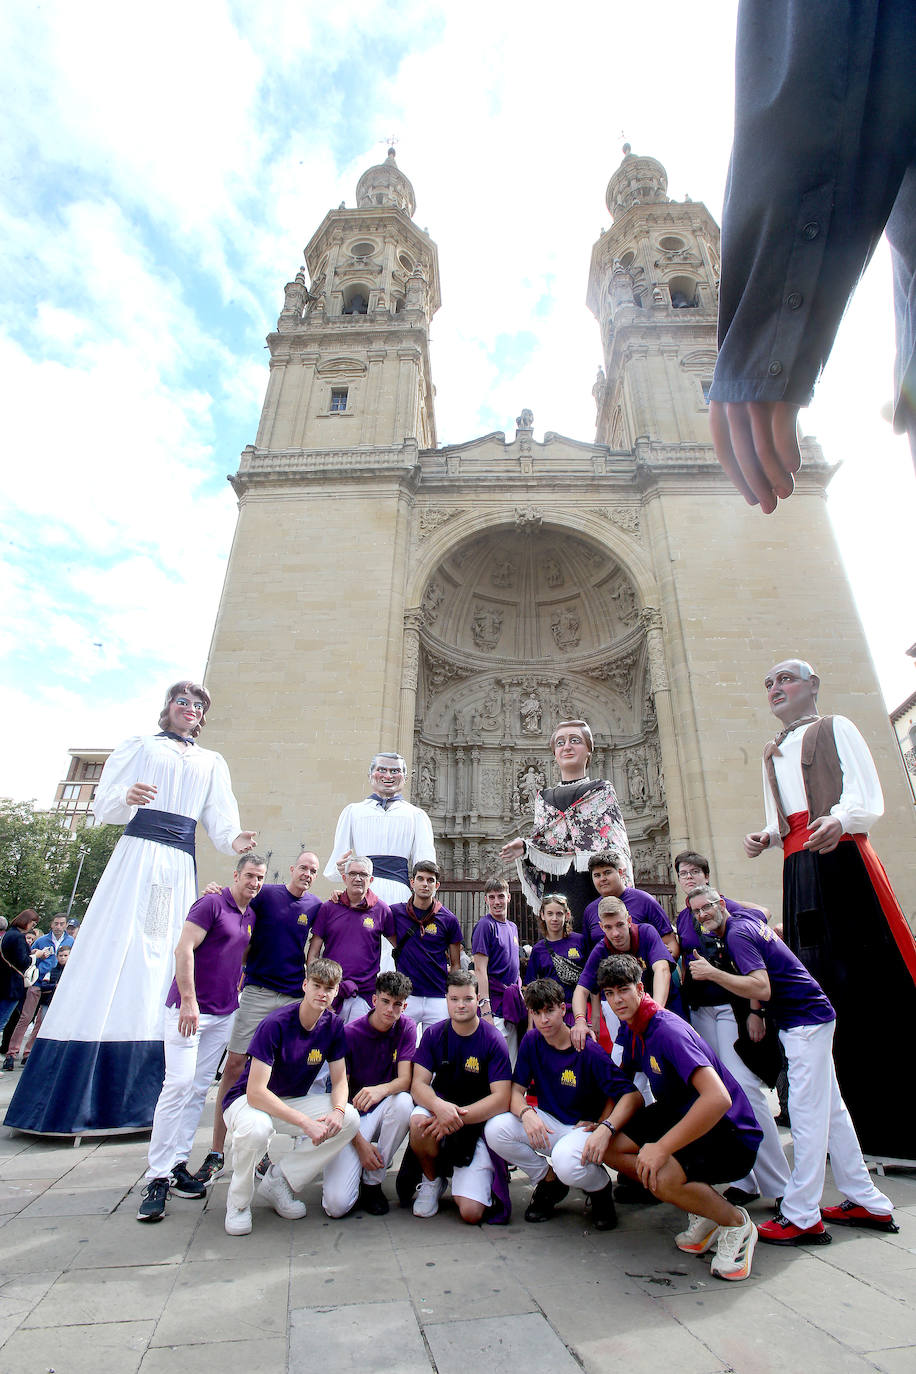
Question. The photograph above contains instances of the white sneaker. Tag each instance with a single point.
(279, 1194)
(429, 1192)
(735, 1250)
(238, 1221)
(699, 1237)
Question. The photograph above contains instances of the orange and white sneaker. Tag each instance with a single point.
(700, 1235)
(735, 1250)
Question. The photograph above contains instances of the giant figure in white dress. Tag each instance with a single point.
(98, 1063)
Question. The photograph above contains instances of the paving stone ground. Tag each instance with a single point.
(85, 1289)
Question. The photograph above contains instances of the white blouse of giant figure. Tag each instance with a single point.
(98, 1063)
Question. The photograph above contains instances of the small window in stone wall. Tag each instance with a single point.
(706, 383)
(683, 292)
(339, 399)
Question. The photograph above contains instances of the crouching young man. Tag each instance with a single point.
(700, 1129)
(461, 1079)
(380, 1051)
(561, 1142)
(287, 1052)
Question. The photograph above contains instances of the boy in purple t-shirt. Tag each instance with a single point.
(460, 1079)
(380, 1052)
(428, 945)
(561, 1142)
(287, 1052)
(609, 874)
(350, 931)
(494, 945)
(700, 1129)
(769, 973)
(199, 1010)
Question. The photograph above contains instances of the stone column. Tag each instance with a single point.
(410, 676)
(650, 619)
(475, 784)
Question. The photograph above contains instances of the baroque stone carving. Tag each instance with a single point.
(432, 600)
(624, 599)
(530, 780)
(486, 627)
(525, 420)
(530, 712)
(637, 790)
(503, 573)
(625, 517)
(553, 573)
(439, 671)
(564, 627)
(491, 711)
(529, 519)
(619, 673)
(490, 788)
(428, 521)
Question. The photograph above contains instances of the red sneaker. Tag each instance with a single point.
(781, 1231)
(851, 1214)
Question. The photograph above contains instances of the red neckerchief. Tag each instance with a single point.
(366, 904)
(644, 1013)
(430, 911)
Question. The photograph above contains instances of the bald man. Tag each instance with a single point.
(840, 915)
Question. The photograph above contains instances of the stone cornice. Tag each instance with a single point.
(260, 467)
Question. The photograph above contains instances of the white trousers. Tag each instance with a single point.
(426, 1011)
(770, 1174)
(820, 1122)
(250, 1132)
(506, 1137)
(474, 1180)
(190, 1063)
(509, 1032)
(385, 1126)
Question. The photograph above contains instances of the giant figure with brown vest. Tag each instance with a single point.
(840, 915)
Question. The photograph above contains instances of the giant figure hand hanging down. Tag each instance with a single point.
(840, 915)
(98, 1063)
(572, 821)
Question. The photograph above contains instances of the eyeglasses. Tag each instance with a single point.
(702, 910)
(196, 706)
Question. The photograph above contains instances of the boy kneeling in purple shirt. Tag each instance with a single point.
(560, 1143)
(461, 1078)
(287, 1052)
(699, 1130)
(380, 1051)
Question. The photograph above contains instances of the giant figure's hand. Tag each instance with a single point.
(756, 443)
(756, 843)
(824, 835)
(141, 794)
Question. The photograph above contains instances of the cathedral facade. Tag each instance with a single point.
(455, 602)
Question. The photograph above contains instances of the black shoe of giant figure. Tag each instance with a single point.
(408, 1179)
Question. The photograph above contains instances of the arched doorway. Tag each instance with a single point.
(518, 630)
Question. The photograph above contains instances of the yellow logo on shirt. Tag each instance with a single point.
(430, 929)
(572, 954)
(472, 1064)
(568, 1078)
(303, 918)
(315, 1057)
(369, 923)
(653, 1064)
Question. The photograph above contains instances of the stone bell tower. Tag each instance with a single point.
(653, 285)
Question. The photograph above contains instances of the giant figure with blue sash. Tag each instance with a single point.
(97, 1066)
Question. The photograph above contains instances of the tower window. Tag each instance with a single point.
(339, 399)
(683, 292)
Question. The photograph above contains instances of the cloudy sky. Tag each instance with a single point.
(163, 168)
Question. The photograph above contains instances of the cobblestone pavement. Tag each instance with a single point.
(84, 1287)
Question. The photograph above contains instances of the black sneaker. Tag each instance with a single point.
(544, 1198)
(373, 1200)
(263, 1166)
(604, 1213)
(211, 1169)
(186, 1185)
(152, 1206)
(9, 1064)
(408, 1179)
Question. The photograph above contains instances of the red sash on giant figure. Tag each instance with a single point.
(898, 925)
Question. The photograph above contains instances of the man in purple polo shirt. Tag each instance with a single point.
(780, 987)
(700, 1129)
(380, 1051)
(350, 931)
(287, 1052)
(274, 970)
(609, 874)
(460, 1079)
(621, 935)
(561, 1142)
(428, 945)
(494, 945)
(198, 1020)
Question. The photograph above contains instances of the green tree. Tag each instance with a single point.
(35, 849)
(95, 844)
